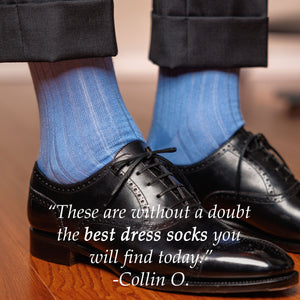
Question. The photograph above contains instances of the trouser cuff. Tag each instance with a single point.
(209, 42)
(57, 30)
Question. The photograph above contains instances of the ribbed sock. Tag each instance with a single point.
(196, 111)
(83, 119)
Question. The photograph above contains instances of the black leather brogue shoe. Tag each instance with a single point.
(180, 253)
(247, 172)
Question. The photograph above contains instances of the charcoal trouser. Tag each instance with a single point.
(191, 33)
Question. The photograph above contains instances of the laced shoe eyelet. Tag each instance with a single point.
(158, 196)
(138, 173)
(148, 184)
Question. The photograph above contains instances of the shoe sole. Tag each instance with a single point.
(46, 247)
(287, 245)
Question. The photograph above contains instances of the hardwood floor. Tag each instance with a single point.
(25, 277)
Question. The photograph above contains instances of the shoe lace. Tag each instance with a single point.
(256, 142)
(134, 160)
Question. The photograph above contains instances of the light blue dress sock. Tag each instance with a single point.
(196, 111)
(83, 119)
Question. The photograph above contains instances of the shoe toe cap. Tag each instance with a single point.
(247, 258)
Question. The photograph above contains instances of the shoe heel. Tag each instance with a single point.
(46, 247)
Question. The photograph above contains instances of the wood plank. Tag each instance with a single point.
(18, 279)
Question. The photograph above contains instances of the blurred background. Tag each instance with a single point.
(270, 96)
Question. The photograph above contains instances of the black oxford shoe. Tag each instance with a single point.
(136, 179)
(245, 172)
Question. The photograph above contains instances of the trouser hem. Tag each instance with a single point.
(209, 42)
(58, 30)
